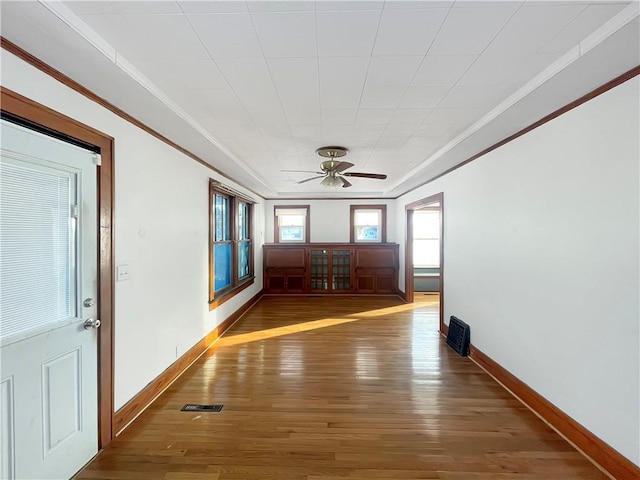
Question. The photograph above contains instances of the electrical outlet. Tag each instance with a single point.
(178, 350)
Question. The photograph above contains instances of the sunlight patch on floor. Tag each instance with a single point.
(391, 310)
(226, 341)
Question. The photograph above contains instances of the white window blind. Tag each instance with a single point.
(37, 247)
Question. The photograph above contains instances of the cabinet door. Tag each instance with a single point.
(365, 282)
(319, 269)
(385, 280)
(285, 280)
(276, 282)
(340, 270)
(295, 282)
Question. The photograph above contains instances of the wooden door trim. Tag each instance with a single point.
(44, 119)
(408, 251)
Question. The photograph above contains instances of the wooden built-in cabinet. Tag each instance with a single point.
(331, 268)
(285, 271)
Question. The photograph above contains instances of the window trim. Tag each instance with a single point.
(237, 284)
(383, 222)
(307, 222)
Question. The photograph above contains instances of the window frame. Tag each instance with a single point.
(383, 222)
(237, 284)
(276, 223)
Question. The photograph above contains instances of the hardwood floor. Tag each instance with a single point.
(326, 388)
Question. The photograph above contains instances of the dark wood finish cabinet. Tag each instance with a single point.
(285, 270)
(376, 270)
(331, 268)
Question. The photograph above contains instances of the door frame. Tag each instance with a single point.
(408, 252)
(29, 113)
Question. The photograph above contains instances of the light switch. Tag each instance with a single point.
(122, 273)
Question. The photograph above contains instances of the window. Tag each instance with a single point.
(426, 238)
(368, 223)
(231, 253)
(291, 224)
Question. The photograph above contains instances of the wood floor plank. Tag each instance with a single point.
(327, 388)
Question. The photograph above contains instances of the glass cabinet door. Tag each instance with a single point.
(341, 270)
(319, 271)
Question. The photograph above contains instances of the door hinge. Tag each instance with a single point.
(97, 159)
(75, 211)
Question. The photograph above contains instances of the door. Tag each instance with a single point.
(48, 305)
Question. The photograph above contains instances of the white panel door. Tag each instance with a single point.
(48, 291)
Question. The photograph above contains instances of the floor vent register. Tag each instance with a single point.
(192, 407)
(459, 336)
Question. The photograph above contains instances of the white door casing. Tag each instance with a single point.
(48, 267)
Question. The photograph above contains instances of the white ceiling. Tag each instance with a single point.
(410, 87)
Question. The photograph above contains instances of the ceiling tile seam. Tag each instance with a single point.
(358, 108)
(566, 26)
(80, 27)
(281, 108)
(128, 68)
(434, 156)
(264, 59)
(537, 81)
(183, 12)
(241, 163)
(444, 20)
(319, 86)
(615, 23)
(431, 158)
(479, 55)
(414, 76)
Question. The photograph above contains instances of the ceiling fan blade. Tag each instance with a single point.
(342, 166)
(309, 179)
(345, 183)
(377, 176)
(302, 171)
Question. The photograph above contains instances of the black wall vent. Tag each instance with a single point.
(459, 336)
(190, 407)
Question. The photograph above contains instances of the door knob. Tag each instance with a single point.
(91, 323)
(89, 302)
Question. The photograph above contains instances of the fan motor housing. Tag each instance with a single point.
(332, 152)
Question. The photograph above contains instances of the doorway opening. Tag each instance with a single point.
(424, 259)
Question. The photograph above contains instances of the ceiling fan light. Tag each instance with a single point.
(331, 181)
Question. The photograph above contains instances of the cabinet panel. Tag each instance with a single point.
(275, 282)
(295, 283)
(385, 281)
(365, 283)
(289, 257)
(368, 257)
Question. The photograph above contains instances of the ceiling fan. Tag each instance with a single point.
(333, 171)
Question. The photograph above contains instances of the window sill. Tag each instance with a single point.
(229, 294)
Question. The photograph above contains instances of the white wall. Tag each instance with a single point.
(161, 232)
(541, 259)
(330, 218)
